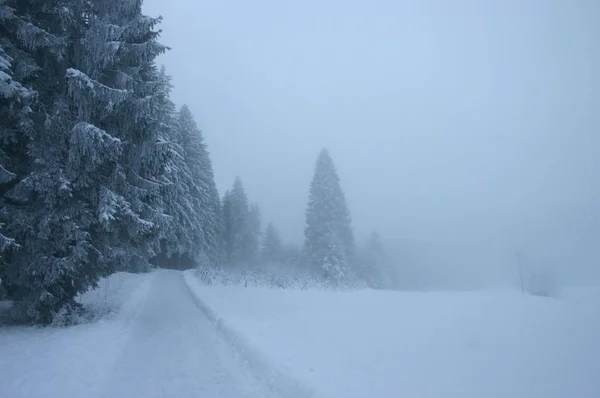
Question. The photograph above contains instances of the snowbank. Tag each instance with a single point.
(69, 362)
(277, 380)
(273, 276)
(390, 344)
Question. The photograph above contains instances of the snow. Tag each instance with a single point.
(160, 337)
(152, 342)
(389, 344)
(173, 351)
(44, 362)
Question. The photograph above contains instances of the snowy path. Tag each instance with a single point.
(174, 351)
(157, 343)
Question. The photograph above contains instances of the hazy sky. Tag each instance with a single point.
(463, 120)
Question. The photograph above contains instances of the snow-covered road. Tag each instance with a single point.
(174, 351)
(157, 344)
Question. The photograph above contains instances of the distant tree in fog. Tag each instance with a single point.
(272, 249)
(241, 226)
(374, 266)
(329, 240)
(255, 233)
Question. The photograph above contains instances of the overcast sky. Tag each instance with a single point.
(462, 120)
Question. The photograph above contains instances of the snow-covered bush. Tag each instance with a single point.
(273, 276)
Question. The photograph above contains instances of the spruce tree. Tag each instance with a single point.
(118, 88)
(241, 226)
(335, 261)
(178, 222)
(16, 125)
(90, 200)
(237, 223)
(38, 207)
(192, 231)
(16, 103)
(329, 240)
(204, 190)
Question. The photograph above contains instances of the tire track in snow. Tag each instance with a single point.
(278, 382)
(174, 351)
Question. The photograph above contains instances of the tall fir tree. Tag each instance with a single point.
(119, 89)
(117, 94)
(37, 209)
(208, 206)
(178, 223)
(236, 221)
(241, 226)
(192, 233)
(329, 240)
(16, 127)
(89, 202)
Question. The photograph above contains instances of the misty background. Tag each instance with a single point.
(462, 131)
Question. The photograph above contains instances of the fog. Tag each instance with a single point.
(462, 131)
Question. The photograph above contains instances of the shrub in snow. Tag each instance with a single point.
(269, 275)
(334, 263)
(70, 314)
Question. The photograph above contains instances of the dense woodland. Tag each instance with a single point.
(100, 172)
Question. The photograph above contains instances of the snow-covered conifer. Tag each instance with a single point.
(39, 209)
(204, 190)
(329, 240)
(236, 223)
(335, 263)
(89, 201)
(15, 132)
(241, 226)
(115, 86)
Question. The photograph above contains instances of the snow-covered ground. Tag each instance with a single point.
(161, 337)
(390, 344)
(153, 341)
(73, 361)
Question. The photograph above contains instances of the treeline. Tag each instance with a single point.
(100, 173)
(329, 252)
